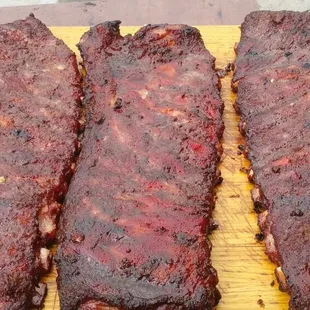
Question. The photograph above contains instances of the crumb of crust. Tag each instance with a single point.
(221, 73)
(259, 237)
(219, 180)
(244, 170)
(272, 283)
(213, 226)
(234, 196)
(241, 147)
(260, 302)
(230, 67)
(2, 179)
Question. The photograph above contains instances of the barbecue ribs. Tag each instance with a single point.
(273, 80)
(133, 231)
(39, 99)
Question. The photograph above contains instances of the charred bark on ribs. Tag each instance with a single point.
(133, 232)
(39, 98)
(273, 80)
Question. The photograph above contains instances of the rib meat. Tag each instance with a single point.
(40, 93)
(273, 79)
(133, 231)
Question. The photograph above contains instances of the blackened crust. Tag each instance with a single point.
(40, 93)
(133, 229)
(272, 75)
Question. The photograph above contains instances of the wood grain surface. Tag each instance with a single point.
(245, 273)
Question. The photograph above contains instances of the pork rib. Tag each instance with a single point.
(133, 231)
(39, 98)
(273, 80)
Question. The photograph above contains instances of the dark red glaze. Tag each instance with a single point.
(39, 99)
(133, 232)
(273, 77)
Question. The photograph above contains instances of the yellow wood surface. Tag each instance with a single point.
(245, 273)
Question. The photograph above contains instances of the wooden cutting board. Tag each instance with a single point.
(245, 273)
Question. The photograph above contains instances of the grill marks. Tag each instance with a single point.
(133, 228)
(273, 81)
(39, 91)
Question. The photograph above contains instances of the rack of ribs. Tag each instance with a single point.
(39, 111)
(273, 81)
(133, 230)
